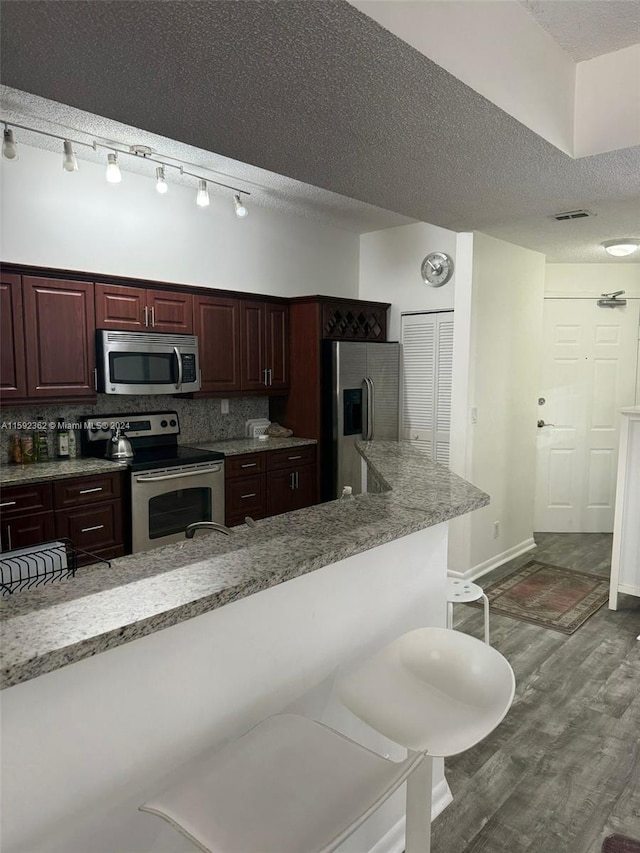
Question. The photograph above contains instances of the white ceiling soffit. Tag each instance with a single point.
(317, 92)
(585, 30)
(504, 52)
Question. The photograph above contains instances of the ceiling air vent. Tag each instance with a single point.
(572, 214)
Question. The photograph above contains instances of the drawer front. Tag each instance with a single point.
(291, 458)
(245, 496)
(30, 529)
(86, 490)
(244, 465)
(17, 500)
(92, 528)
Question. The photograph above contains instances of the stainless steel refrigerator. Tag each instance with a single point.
(360, 402)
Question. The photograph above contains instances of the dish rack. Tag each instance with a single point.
(26, 568)
(257, 426)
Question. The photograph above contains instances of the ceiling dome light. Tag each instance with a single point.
(69, 159)
(113, 170)
(9, 145)
(623, 246)
(161, 184)
(241, 210)
(202, 199)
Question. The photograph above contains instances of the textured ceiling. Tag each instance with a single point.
(588, 28)
(315, 91)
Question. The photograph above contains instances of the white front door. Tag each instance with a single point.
(588, 372)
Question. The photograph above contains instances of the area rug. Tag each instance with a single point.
(550, 596)
(620, 844)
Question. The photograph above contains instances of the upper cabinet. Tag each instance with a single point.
(216, 322)
(138, 309)
(264, 341)
(48, 347)
(13, 372)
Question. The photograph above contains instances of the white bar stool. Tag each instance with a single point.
(434, 691)
(459, 590)
(289, 785)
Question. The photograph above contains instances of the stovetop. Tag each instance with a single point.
(150, 458)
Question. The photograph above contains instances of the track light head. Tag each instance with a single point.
(241, 210)
(161, 184)
(9, 145)
(69, 159)
(202, 199)
(113, 169)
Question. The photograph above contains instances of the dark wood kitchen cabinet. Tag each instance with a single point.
(26, 515)
(216, 322)
(136, 309)
(264, 340)
(13, 373)
(59, 338)
(291, 479)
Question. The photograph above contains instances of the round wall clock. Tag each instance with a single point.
(437, 269)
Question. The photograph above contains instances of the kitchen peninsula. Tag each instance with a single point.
(141, 667)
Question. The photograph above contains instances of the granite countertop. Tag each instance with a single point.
(235, 446)
(44, 629)
(17, 475)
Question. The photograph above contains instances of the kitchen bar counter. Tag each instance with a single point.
(40, 472)
(48, 628)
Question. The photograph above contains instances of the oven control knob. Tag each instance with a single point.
(172, 422)
(163, 424)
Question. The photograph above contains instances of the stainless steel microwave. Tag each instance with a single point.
(147, 363)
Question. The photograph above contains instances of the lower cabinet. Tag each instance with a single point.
(264, 484)
(86, 510)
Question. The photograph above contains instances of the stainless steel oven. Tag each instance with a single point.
(172, 485)
(164, 501)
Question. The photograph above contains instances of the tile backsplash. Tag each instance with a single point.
(200, 420)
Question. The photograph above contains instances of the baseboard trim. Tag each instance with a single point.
(629, 589)
(393, 841)
(494, 562)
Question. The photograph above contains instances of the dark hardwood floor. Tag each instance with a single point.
(562, 771)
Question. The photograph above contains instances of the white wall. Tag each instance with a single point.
(508, 286)
(390, 270)
(78, 221)
(607, 116)
(589, 280)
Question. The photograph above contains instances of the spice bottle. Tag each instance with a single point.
(27, 445)
(62, 441)
(15, 450)
(73, 444)
(42, 445)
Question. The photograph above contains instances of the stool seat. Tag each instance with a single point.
(432, 690)
(461, 590)
(289, 785)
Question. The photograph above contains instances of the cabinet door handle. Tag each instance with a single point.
(89, 529)
(297, 480)
(95, 378)
(146, 315)
(270, 377)
(249, 465)
(265, 374)
(153, 316)
(294, 457)
(89, 491)
(293, 480)
(251, 495)
(8, 503)
(9, 536)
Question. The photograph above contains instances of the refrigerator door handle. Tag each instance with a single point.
(372, 408)
(367, 420)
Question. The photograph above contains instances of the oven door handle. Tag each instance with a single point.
(176, 476)
(179, 357)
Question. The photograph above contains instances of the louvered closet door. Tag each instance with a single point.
(427, 355)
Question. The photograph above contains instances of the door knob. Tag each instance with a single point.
(541, 424)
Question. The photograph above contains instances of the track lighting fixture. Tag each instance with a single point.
(9, 145)
(113, 174)
(113, 169)
(202, 199)
(69, 159)
(161, 184)
(241, 210)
